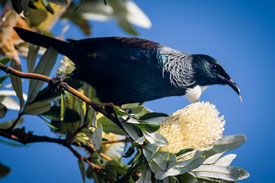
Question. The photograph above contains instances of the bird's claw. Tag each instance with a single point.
(55, 83)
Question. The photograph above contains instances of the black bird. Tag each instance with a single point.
(127, 70)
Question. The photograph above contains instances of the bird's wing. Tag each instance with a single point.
(115, 48)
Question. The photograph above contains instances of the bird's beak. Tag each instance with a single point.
(233, 85)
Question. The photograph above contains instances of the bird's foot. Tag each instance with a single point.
(55, 83)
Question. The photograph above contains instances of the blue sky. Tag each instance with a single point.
(240, 34)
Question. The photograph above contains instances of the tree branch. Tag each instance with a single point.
(97, 107)
(26, 138)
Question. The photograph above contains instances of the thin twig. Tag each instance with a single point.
(97, 107)
(95, 166)
(26, 138)
(116, 141)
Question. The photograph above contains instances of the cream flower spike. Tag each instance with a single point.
(196, 126)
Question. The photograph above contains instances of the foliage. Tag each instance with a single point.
(132, 137)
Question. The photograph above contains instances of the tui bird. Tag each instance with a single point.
(127, 70)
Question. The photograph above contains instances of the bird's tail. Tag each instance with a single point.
(44, 41)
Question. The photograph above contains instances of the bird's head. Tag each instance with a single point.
(208, 71)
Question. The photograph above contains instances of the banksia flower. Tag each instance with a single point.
(196, 126)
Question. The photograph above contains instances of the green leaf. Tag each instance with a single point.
(3, 110)
(54, 114)
(153, 115)
(4, 60)
(53, 127)
(119, 167)
(109, 126)
(149, 151)
(212, 159)
(129, 152)
(120, 112)
(36, 108)
(44, 67)
(62, 107)
(227, 143)
(97, 137)
(161, 174)
(145, 175)
(188, 178)
(172, 180)
(226, 160)
(59, 2)
(4, 171)
(9, 143)
(155, 138)
(150, 127)
(7, 124)
(47, 6)
(183, 151)
(9, 103)
(131, 130)
(221, 172)
(32, 54)
(139, 110)
(48, 94)
(81, 165)
(17, 82)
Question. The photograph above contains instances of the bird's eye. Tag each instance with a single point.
(214, 66)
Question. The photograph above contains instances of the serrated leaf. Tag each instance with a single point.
(3, 110)
(227, 143)
(81, 165)
(36, 108)
(155, 138)
(97, 137)
(17, 82)
(226, 160)
(109, 126)
(145, 175)
(54, 114)
(4, 171)
(31, 58)
(44, 67)
(221, 172)
(212, 159)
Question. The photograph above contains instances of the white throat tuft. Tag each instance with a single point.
(194, 94)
